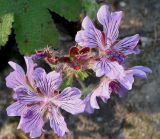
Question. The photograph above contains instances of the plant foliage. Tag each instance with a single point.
(33, 25)
(90, 7)
(5, 27)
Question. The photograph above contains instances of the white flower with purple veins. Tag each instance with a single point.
(38, 99)
(120, 86)
(110, 48)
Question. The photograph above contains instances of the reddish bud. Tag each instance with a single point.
(73, 51)
(84, 50)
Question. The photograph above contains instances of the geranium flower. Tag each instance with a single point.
(106, 40)
(120, 86)
(37, 99)
(111, 52)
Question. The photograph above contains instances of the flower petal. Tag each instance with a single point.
(101, 91)
(93, 100)
(54, 80)
(39, 77)
(17, 68)
(47, 83)
(90, 36)
(142, 68)
(118, 88)
(88, 107)
(103, 14)
(110, 22)
(97, 68)
(110, 69)
(139, 71)
(127, 80)
(25, 96)
(57, 122)
(70, 101)
(17, 77)
(15, 109)
(30, 67)
(128, 45)
(32, 121)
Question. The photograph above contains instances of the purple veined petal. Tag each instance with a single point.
(17, 77)
(101, 91)
(32, 121)
(57, 122)
(104, 90)
(87, 24)
(90, 36)
(70, 101)
(117, 88)
(88, 107)
(103, 14)
(97, 68)
(30, 68)
(86, 39)
(110, 69)
(114, 23)
(40, 80)
(121, 90)
(14, 80)
(93, 101)
(16, 109)
(127, 80)
(26, 96)
(139, 71)
(110, 22)
(17, 68)
(128, 45)
(142, 68)
(115, 70)
(47, 83)
(54, 80)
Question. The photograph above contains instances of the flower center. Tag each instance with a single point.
(115, 56)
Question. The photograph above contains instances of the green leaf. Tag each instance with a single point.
(69, 9)
(82, 75)
(33, 24)
(68, 81)
(34, 28)
(91, 7)
(6, 21)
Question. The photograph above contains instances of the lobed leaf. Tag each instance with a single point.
(91, 7)
(69, 9)
(6, 21)
(33, 25)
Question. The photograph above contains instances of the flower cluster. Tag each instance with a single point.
(37, 94)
